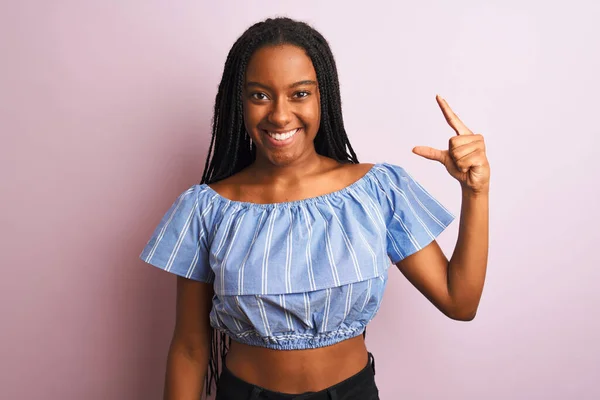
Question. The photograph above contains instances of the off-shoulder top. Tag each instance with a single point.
(299, 274)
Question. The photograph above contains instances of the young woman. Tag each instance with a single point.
(284, 246)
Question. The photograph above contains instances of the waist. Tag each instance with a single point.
(297, 371)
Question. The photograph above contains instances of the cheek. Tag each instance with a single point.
(311, 114)
(317, 110)
(251, 116)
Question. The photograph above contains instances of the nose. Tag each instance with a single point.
(281, 113)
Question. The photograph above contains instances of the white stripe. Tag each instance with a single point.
(397, 218)
(182, 235)
(394, 244)
(288, 318)
(307, 310)
(334, 272)
(231, 244)
(226, 233)
(265, 264)
(263, 314)
(408, 232)
(239, 307)
(164, 228)
(380, 217)
(223, 210)
(433, 217)
(215, 318)
(409, 204)
(241, 271)
(348, 243)
(193, 264)
(311, 275)
(288, 258)
(366, 208)
(327, 305)
(377, 211)
(373, 255)
(431, 197)
(348, 300)
(236, 322)
(367, 296)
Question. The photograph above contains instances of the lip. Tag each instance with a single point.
(280, 143)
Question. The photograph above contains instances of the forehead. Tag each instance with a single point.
(280, 65)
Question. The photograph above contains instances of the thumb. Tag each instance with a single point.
(429, 153)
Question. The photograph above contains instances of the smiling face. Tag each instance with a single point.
(281, 104)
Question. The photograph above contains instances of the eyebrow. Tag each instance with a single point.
(295, 84)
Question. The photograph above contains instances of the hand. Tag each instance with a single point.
(465, 159)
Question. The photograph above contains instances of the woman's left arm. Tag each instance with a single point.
(455, 286)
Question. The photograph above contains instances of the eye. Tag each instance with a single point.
(259, 96)
(302, 94)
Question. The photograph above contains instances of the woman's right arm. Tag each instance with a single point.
(189, 351)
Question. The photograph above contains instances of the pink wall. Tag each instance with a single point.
(104, 114)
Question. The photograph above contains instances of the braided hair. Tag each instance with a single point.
(231, 148)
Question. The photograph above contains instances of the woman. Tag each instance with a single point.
(284, 246)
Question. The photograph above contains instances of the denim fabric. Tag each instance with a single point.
(300, 274)
(361, 386)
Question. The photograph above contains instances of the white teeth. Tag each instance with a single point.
(282, 136)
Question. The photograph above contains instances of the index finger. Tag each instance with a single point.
(451, 118)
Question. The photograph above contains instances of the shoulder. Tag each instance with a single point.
(351, 172)
(230, 187)
(381, 171)
(374, 167)
(384, 178)
(386, 171)
(193, 198)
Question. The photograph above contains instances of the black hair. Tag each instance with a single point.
(231, 149)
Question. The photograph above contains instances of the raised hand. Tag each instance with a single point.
(465, 158)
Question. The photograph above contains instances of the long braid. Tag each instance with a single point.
(231, 148)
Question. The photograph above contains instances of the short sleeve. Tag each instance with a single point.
(178, 244)
(414, 218)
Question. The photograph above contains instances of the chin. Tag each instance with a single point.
(282, 159)
(284, 156)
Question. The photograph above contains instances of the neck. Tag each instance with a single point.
(266, 171)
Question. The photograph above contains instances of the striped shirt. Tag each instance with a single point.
(300, 274)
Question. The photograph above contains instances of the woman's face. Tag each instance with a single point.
(281, 104)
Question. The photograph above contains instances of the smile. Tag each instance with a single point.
(283, 135)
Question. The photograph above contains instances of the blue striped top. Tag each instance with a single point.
(299, 274)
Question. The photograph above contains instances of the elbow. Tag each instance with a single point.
(465, 317)
(464, 314)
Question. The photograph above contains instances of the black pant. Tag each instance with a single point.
(360, 386)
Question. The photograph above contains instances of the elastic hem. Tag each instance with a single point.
(286, 342)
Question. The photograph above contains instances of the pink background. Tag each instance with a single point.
(105, 110)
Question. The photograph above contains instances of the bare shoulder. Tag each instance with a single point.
(352, 172)
(229, 186)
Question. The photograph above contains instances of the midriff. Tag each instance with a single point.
(297, 371)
